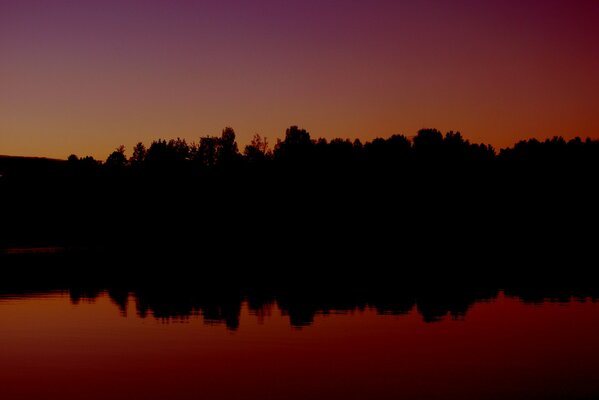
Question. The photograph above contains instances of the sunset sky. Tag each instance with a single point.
(86, 76)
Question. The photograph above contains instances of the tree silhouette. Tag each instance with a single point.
(168, 155)
(139, 155)
(117, 158)
(428, 141)
(257, 151)
(207, 153)
(227, 151)
(296, 147)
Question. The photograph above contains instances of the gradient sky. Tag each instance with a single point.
(85, 76)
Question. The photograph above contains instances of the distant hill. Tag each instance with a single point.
(25, 158)
(19, 165)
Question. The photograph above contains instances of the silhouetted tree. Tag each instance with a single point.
(89, 160)
(227, 151)
(400, 145)
(179, 150)
(157, 153)
(139, 154)
(85, 166)
(428, 140)
(117, 158)
(358, 145)
(168, 155)
(388, 153)
(257, 151)
(296, 147)
(207, 151)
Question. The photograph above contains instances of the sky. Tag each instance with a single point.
(83, 77)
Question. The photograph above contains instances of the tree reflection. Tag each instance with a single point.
(302, 306)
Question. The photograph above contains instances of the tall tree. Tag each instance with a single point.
(257, 150)
(139, 154)
(227, 152)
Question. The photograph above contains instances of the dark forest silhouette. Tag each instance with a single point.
(397, 204)
(428, 150)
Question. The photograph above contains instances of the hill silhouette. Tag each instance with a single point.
(420, 204)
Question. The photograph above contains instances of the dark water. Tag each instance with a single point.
(69, 345)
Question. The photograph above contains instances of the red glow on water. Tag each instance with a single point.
(52, 349)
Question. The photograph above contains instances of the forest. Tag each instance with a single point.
(428, 200)
(428, 149)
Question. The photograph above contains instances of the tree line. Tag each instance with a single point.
(308, 199)
(298, 149)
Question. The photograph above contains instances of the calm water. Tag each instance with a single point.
(61, 345)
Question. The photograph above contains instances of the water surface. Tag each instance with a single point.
(66, 345)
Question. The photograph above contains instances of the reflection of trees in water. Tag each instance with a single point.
(301, 307)
(434, 206)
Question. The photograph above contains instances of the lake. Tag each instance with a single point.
(73, 344)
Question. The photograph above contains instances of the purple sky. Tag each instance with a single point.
(85, 76)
